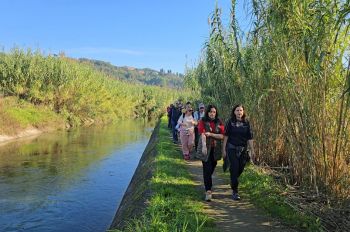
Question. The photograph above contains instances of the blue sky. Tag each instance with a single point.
(154, 33)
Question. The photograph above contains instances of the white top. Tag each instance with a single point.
(187, 120)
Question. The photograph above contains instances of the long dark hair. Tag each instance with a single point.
(206, 117)
(233, 116)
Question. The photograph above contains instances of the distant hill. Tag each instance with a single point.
(134, 75)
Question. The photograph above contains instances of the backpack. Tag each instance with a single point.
(208, 144)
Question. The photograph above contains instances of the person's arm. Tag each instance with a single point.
(180, 120)
(251, 143)
(224, 146)
(195, 121)
(215, 136)
(251, 148)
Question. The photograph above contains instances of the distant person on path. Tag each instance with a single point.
(238, 140)
(198, 115)
(169, 114)
(187, 123)
(211, 131)
(175, 114)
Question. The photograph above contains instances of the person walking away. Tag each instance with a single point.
(187, 123)
(238, 140)
(198, 115)
(211, 131)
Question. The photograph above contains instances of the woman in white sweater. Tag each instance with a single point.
(187, 123)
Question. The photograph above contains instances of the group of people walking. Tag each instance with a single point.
(204, 134)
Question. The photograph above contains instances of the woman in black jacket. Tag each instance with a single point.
(238, 139)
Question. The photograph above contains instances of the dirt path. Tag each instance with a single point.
(232, 215)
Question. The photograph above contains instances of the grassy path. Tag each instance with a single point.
(231, 215)
(173, 194)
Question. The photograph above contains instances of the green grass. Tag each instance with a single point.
(16, 115)
(175, 205)
(263, 191)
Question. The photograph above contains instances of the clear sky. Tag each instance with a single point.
(140, 33)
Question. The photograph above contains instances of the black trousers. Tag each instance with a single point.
(196, 137)
(208, 170)
(169, 122)
(173, 125)
(236, 167)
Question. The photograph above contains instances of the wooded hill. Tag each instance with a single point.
(134, 75)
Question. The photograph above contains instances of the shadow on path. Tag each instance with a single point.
(232, 215)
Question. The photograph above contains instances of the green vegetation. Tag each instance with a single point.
(16, 115)
(134, 75)
(175, 204)
(292, 74)
(74, 91)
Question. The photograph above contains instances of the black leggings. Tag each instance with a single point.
(208, 170)
(236, 167)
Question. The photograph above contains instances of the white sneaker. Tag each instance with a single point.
(208, 196)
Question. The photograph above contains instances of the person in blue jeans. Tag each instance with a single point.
(238, 139)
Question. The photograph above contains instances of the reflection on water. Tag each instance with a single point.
(69, 181)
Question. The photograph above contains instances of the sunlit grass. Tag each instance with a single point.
(16, 115)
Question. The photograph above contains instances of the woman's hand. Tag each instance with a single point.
(224, 153)
(207, 134)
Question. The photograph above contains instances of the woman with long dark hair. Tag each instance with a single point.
(211, 130)
(238, 139)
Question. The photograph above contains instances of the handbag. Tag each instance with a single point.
(199, 154)
(241, 152)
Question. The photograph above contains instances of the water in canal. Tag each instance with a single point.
(69, 180)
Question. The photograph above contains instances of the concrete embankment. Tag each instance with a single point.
(135, 197)
(26, 133)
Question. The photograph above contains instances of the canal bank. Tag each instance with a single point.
(135, 198)
(162, 195)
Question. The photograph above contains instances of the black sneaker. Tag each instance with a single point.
(236, 197)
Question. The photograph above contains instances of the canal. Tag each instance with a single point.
(69, 180)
